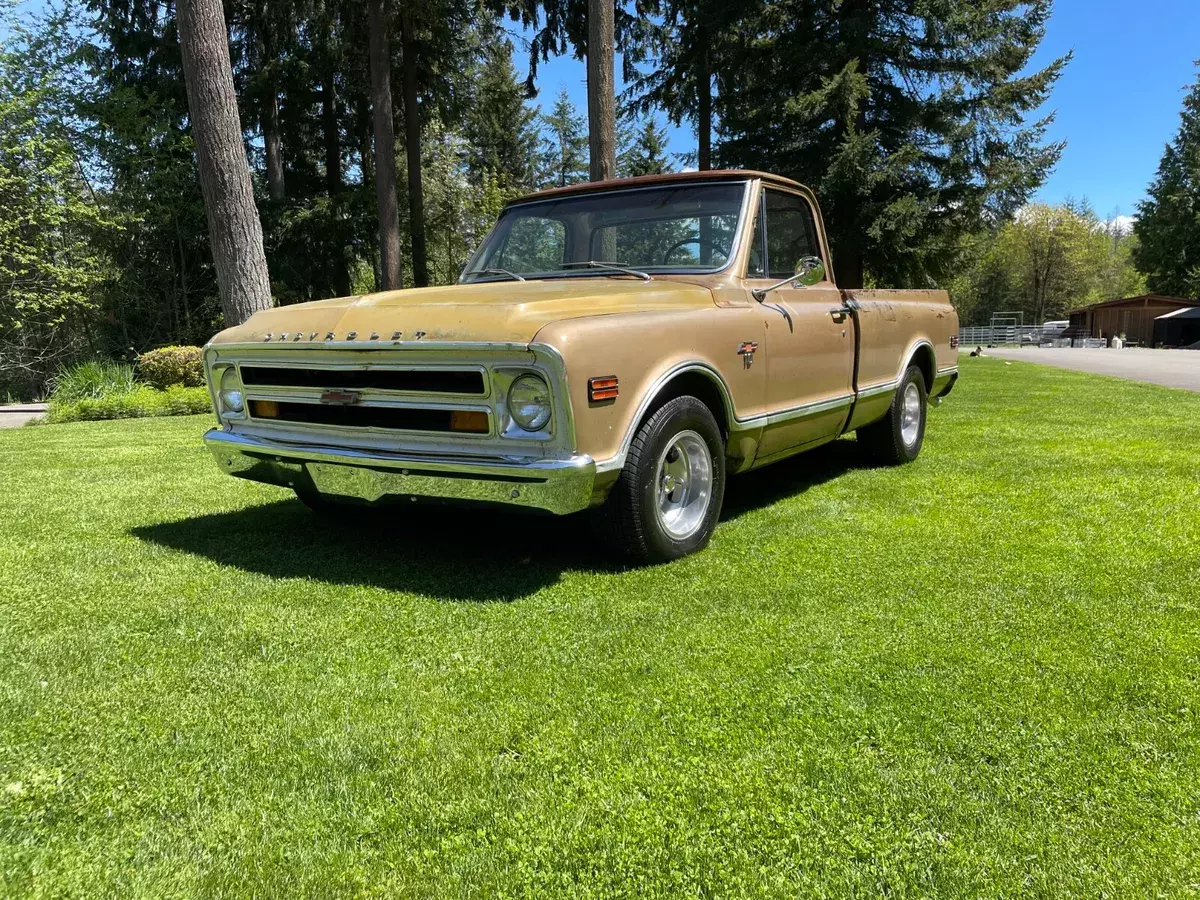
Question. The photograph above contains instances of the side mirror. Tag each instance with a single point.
(809, 271)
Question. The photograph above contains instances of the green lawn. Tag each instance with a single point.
(976, 675)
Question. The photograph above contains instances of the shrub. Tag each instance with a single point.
(139, 402)
(169, 366)
(92, 381)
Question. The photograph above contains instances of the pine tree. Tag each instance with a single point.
(1168, 225)
(688, 44)
(645, 152)
(564, 145)
(909, 118)
(500, 128)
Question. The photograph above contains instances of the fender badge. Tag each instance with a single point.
(746, 351)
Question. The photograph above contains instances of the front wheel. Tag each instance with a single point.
(668, 499)
(897, 437)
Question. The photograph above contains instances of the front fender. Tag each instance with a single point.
(646, 351)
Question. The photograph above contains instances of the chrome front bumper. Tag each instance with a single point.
(554, 485)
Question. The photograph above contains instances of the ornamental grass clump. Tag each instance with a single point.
(92, 380)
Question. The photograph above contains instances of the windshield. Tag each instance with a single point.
(685, 228)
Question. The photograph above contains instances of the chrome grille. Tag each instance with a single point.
(459, 382)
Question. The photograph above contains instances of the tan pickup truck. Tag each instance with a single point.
(617, 346)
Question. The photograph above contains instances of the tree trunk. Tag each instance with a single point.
(602, 115)
(385, 149)
(272, 138)
(273, 142)
(704, 115)
(233, 224)
(412, 146)
(329, 125)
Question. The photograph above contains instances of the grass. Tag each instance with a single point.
(972, 676)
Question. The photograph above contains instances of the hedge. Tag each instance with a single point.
(140, 402)
(168, 366)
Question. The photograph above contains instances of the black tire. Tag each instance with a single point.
(629, 519)
(885, 440)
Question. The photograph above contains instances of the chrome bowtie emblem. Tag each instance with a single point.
(341, 398)
(746, 351)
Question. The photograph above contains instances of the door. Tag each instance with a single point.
(809, 342)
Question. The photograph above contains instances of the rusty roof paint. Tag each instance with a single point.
(588, 187)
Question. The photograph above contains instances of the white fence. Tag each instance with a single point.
(1027, 336)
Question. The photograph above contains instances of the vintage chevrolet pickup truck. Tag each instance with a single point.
(616, 346)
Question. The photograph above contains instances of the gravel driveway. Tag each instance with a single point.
(1172, 368)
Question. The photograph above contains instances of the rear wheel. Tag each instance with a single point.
(897, 437)
(668, 499)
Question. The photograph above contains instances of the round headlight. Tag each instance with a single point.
(231, 392)
(529, 402)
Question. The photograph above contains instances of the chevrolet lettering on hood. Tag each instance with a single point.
(619, 347)
(314, 336)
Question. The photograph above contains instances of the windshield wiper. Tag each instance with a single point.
(513, 275)
(613, 267)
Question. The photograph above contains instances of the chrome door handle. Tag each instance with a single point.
(840, 313)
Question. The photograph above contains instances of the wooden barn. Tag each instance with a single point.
(1134, 317)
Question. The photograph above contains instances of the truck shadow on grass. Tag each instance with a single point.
(447, 553)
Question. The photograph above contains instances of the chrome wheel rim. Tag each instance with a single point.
(683, 485)
(910, 414)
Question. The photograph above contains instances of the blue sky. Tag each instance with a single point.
(1118, 102)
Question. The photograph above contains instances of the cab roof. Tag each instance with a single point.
(589, 187)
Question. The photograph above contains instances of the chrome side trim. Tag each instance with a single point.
(796, 412)
(949, 370)
(554, 485)
(875, 390)
(734, 424)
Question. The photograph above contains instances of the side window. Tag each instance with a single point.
(791, 233)
(533, 245)
(755, 267)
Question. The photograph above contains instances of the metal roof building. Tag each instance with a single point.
(1133, 316)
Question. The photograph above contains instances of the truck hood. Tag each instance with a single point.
(506, 311)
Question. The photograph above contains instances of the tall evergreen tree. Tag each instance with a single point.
(688, 41)
(500, 128)
(1168, 225)
(564, 145)
(908, 117)
(645, 152)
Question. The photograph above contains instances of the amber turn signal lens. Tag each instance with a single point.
(264, 409)
(469, 420)
(604, 388)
